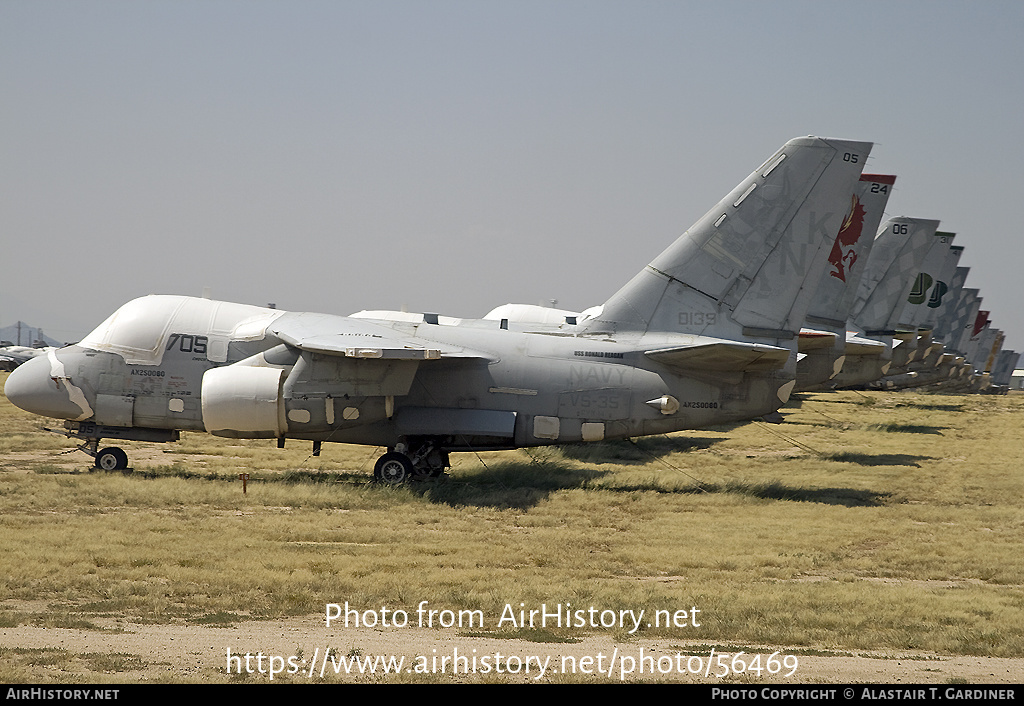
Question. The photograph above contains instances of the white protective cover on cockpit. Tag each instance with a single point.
(139, 330)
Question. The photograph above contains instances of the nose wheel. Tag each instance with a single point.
(111, 459)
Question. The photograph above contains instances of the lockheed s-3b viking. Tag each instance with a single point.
(706, 333)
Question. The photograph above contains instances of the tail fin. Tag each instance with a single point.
(1002, 372)
(850, 252)
(947, 310)
(966, 310)
(896, 258)
(823, 341)
(931, 284)
(748, 267)
(978, 330)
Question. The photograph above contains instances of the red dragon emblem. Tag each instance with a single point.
(979, 322)
(843, 255)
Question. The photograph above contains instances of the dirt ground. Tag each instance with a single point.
(190, 653)
(117, 651)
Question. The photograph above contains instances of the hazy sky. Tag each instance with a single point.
(453, 156)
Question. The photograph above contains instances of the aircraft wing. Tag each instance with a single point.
(358, 338)
(722, 356)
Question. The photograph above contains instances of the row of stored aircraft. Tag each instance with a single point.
(11, 356)
(773, 289)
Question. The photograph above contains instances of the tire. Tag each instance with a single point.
(112, 459)
(393, 468)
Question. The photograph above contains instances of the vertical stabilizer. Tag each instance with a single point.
(993, 351)
(963, 319)
(850, 252)
(947, 310)
(896, 258)
(979, 331)
(749, 266)
(931, 283)
(823, 340)
(1005, 364)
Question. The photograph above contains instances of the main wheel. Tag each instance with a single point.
(112, 459)
(393, 468)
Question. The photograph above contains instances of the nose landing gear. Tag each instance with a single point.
(112, 458)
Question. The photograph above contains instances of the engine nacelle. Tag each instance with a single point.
(244, 402)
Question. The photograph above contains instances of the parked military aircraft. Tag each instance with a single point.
(13, 356)
(706, 333)
(823, 338)
(895, 258)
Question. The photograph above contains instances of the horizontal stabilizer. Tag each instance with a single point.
(722, 356)
(857, 345)
(813, 340)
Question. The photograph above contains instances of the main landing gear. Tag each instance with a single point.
(419, 460)
(393, 468)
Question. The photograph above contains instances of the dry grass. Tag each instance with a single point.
(866, 521)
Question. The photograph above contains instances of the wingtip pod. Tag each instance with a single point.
(744, 263)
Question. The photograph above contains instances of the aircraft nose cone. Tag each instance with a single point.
(32, 388)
